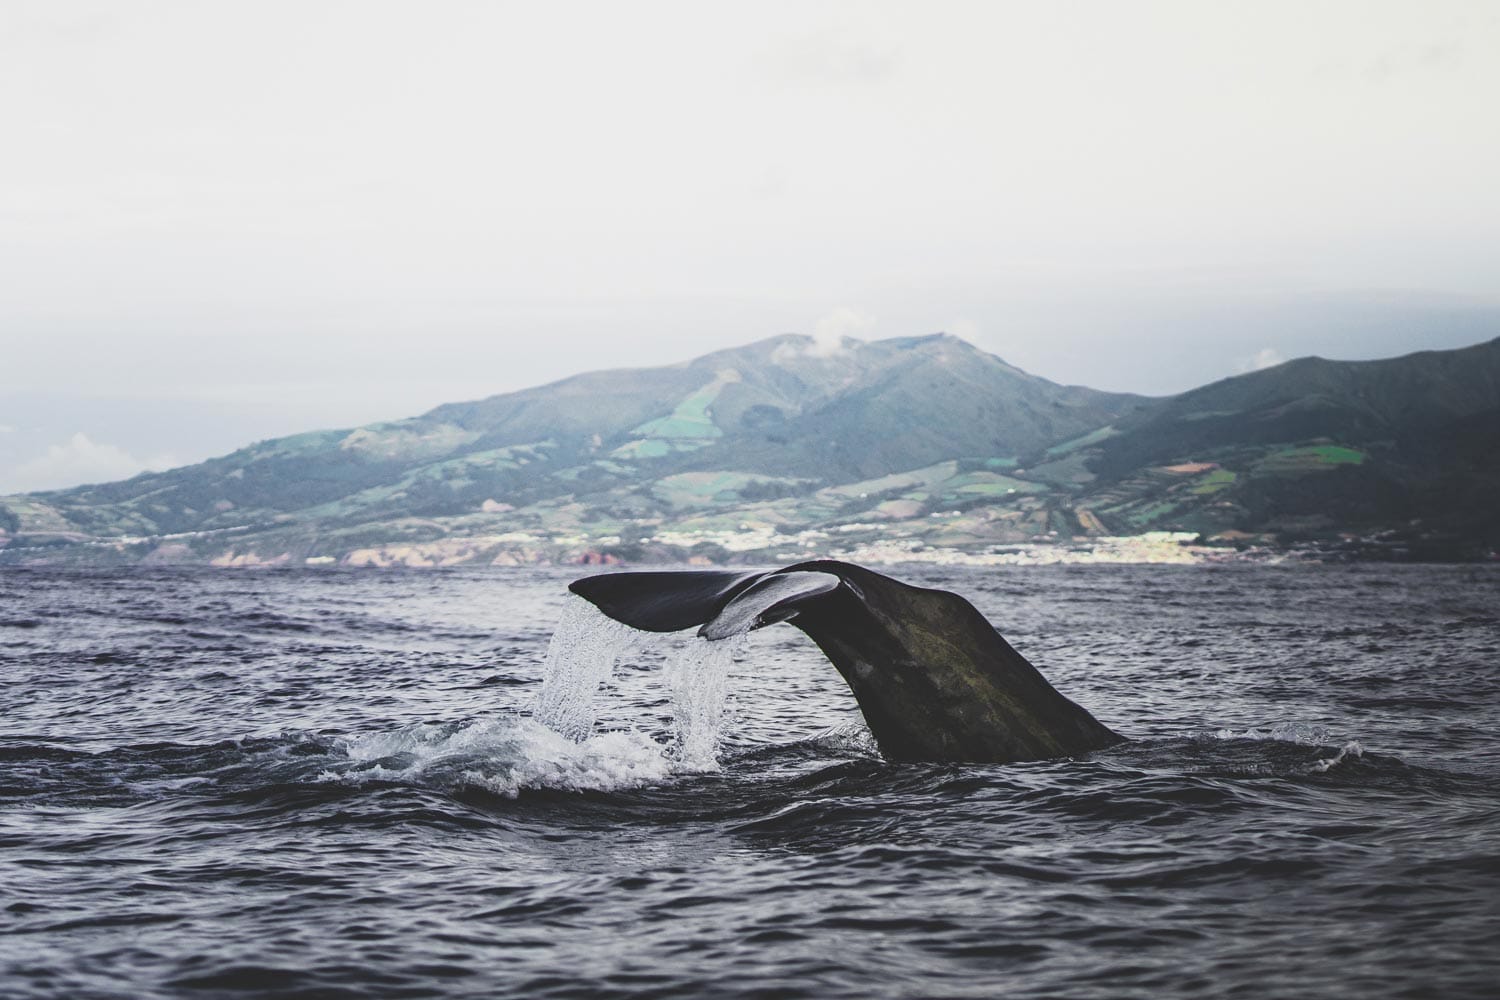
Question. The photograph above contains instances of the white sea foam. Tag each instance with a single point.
(1281, 732)
(558, 746)
(849, 736)
(503, 755)
(1299, 733)
(1350, 749)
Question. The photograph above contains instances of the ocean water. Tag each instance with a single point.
(339, 784)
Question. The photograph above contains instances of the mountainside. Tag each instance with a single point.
(787, 447)
(1311, 397)
(1313, 446)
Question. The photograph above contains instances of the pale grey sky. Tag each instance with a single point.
(226, 221)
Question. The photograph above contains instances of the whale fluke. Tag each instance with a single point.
(663, 601)
(934, 679)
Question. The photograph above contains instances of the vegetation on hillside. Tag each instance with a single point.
(776, 449)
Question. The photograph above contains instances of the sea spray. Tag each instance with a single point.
(1281, 732)
(582, 656)
(503, 755)
(698, 679)
(1350, 749)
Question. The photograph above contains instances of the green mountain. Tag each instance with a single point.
(891, 449)
(1311, 448)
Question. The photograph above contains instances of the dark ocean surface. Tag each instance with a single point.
(330, 784)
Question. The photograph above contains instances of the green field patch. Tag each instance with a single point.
(407, 440)
(928, 476)
(1069, 470)
(982, 462)
(689, 420)
(679, 426)
(508, 458)
(594, 475)
(1143, 516)
(987, 484)
(688, 427)
(454, 473)
(309, 443)
(1308, 459)
(1091, 438)
(1335, 454)
(38, 517)
(356, 502)
(1218, 479)
(647, 448)
(703, 489)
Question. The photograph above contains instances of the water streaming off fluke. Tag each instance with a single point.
(580, 657)
(698, 675)
(583, 654)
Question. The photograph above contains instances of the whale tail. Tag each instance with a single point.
(933, 677)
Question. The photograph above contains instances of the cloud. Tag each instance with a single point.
(81, 460)
(1266, 357)
(828, 336)
(7, 429)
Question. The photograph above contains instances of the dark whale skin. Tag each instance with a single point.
(934, 679)
(667, 601)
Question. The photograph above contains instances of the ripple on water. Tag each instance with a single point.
(326, 784)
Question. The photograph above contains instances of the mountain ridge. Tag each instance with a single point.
(902, 446)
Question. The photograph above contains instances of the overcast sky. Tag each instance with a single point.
(222, 221)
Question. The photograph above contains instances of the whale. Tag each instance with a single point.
(934, 679)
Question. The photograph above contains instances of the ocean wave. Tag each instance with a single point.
(504, 756)
(1350, 749)
(1280, 732)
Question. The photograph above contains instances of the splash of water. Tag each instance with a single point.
(698, 678)
(1350, 749)
(1280, 732)
(582, 656)
(503, 755)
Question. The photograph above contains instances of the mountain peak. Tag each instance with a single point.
(917, 438)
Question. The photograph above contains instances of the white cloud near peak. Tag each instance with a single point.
(828, 336)
(1266, 357)
(82, 460)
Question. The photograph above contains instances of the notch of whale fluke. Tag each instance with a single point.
(934, 679)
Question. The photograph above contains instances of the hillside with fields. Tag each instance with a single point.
(905, 448)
